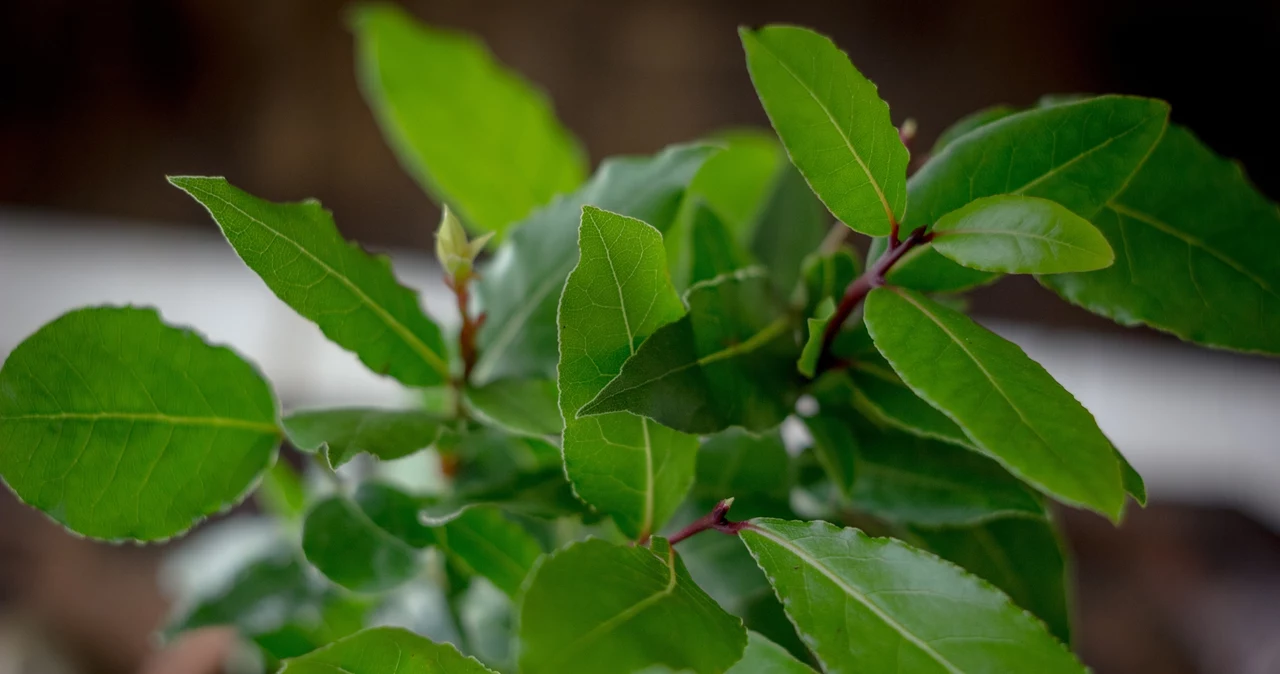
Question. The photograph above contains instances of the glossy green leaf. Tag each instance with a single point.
(729, 362)
(519, 405)
(119, 426)
(833, 124)
(474, 134)
(791, 225)
(618, 295)
(644, 611)
(1020, 555)
(808, 363)
(368, 542)
(343, 433)
(1005, 402)
(970, 122)
(1077, 154)
(354, 297)
(715, 251)
(877, 389)
(909, 610)
(765, 657)
(1195, 246)
(1021, 235)
(520, 287)
(484, 542)
(278, 604)
(385, 650)
(737, 463)
(836, 449)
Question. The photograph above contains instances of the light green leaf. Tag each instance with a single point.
(1005, 402)
(380, 650)
(970, 122)
(1021, 235)
(521, 286)
(526, 406)
(618, 295)
(833, 124)
(354, 297)
(909, 610)
(281, 493)
(791, 225)
(474, 134)
(644, 611)
(715, 251)
(736, 181)
(119, 426)
(367, 542)
(1020, 555)
(1195, 246)
(343, 433)
(808, 363)
(1077, 154)
(729, 362)
(484, 542)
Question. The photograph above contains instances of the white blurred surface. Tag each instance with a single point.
(1199, 425)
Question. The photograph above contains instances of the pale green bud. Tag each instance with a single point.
(455, 253)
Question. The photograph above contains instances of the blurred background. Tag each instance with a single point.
(100, 100)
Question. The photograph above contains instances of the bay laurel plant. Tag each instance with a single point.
(632, 343)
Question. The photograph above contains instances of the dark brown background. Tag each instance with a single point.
(99, 100)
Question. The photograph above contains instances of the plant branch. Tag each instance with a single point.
(467, 348)
(716, 519)
(857, 291)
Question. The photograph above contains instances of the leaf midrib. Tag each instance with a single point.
(857, 596)
(152, 417)
(405, 334)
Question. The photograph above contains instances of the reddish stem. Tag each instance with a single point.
(716, 519)
(470, 325)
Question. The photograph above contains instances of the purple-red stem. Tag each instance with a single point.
(716, 519)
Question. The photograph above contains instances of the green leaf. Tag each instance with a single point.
(618, 295)
(1077, 154)
(735, 182)
(598, 607)
(275, 602)
(520, 288)
(1020, 555)
(791, 225)
(970, 122)
(737, 463)
(1005, 402)
(368, 542)
(1021, 235)
(765, 657)
(836, 448)
(119, 426)
(380, 650)
(281, 493)
(354, 297)
(1133, 482)
(877, 389)
(909, 610)
(526, 406)
(474, 134)
(1196, 245)
(833, 124)
(808, 363)
(729, 362)
(519, 474)
(484, 542)
(825, 276)
(343, 433)
(715, 251)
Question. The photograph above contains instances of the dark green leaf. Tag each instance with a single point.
(970, 122)
(345, 432)
(1196, 258)
(385, 650)
(825, 276)
(836, 447)
(1021, 235)
(808, 363)
(519, 405)
(1020, 555)
(765, 657)
(1078, 154)
(737, 463)
(729, 362)
(715, 251)
(354, 297)
(598, 607)
(833, 124)
(1133, 482)
(520, 287)
(484, 542)
(474, 134)
(368, 542)
(618, 295)
(791, 225)
(119, 426)
(519, 474)
(876, 605)
(1005, 402)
